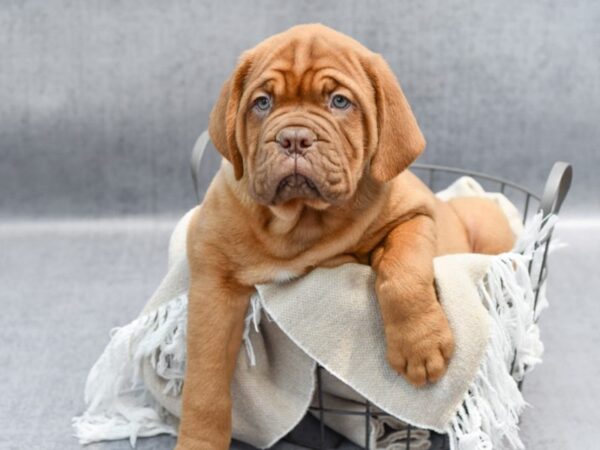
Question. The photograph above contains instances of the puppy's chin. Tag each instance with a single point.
(297, 194)
(317, 203)
(295, 186)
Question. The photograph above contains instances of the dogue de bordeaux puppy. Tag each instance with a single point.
(316, 136)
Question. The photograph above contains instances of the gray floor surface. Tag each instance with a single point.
(64, 285)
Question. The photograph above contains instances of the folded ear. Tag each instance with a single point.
(399, 139)
(222, 123)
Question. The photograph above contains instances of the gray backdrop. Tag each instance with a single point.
(100, 101)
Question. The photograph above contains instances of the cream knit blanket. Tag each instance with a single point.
(331, 317)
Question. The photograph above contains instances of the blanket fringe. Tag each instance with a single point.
(489, 416)
(118, 404)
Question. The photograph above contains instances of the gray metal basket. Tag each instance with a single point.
(549, 203)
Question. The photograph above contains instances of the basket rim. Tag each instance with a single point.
(485, 176)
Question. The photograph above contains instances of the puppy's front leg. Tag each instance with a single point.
(216, 309)
(419, 340)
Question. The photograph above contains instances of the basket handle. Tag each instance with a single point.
(196, 160)
(557, 187)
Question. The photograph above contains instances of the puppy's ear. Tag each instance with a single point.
(399, 139)
(222, 123)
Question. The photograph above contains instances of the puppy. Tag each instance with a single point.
(316, 136)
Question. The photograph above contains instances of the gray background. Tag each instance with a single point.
(101, 101)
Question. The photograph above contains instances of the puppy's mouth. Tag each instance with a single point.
(295, 186)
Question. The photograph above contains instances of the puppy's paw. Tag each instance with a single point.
(420, 349)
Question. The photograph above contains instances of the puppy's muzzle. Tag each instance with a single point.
(296, 182)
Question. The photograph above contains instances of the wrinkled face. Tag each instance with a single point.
(308, 113)
(304, 129)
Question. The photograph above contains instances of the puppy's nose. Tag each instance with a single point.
(295, 140)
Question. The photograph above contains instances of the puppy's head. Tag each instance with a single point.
(308, 113)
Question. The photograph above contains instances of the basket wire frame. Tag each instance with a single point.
(556, 189)
(549, 203)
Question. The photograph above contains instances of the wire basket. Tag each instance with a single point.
(556, 189)
(529, 203)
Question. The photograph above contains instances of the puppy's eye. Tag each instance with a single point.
(262, 103)
(338, 101)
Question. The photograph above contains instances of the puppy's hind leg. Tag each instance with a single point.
(487, 227)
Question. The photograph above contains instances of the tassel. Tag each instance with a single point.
(489, 415)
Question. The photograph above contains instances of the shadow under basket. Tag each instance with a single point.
(437, 177)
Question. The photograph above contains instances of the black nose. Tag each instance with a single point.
(295, 140)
